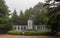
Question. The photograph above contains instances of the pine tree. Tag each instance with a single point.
(15, 17)
(22, 18)
(3, 8)
(21, 13)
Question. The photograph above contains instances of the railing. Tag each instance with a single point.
(24, 27)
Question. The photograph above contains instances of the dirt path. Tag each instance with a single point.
(19, 36)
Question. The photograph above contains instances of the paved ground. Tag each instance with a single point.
(19, 36)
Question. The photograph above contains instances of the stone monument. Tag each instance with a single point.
(30, 22)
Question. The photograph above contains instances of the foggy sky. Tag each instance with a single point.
(21, 4)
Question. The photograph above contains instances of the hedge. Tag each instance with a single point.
(14, 32)
(35, 33)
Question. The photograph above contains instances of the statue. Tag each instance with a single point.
(31, 17)
(30, 22)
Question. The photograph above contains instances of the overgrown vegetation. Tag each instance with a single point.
(5, 21)
(52, 19)
(42, 14)
(41, 32)
(14, 32)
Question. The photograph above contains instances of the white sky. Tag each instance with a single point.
(21, 4)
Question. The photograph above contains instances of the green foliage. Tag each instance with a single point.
(21, 14)
(36, 33)
(52, 17)
(38, 12)
(3, 8)
(14, 32)
(30, 30)
(22, 19)
(5, 22)
(18, 20)
(15, 17)
(40, 16)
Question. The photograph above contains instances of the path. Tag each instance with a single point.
(19, 36)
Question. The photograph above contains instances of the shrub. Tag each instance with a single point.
(5, 24)
(31, 30)
(35, 33)
(38, 33)
(14, 32)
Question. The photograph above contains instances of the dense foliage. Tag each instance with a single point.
(37, 33)
(13, 32)
(15, 17)
(3, 8)
(48, 15)
(53, 16)
(5, 21)
(5, 24)
(37, 12)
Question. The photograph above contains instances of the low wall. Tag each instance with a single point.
(25, 27)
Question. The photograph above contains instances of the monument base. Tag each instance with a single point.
(30, 24)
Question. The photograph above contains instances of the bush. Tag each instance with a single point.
(13, 32)
(31, 30)
(37, 33)
(5, 24)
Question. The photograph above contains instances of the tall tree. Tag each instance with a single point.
(52, 16)
(28, 13)
(21, 13)
(5, 22)
(21, 18)
(15, 17)
(38, 12)
(40, 16)
(3, 8)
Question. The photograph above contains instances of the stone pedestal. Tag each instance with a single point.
(17, 28)
(30, 24)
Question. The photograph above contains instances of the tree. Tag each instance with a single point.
(21, 14)
(39, 17)
(5, 24)
(3, 8)
(38, 12)
(15, 17)
(26, 15)
(52, 16)
(5, 21)
(21, 18)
